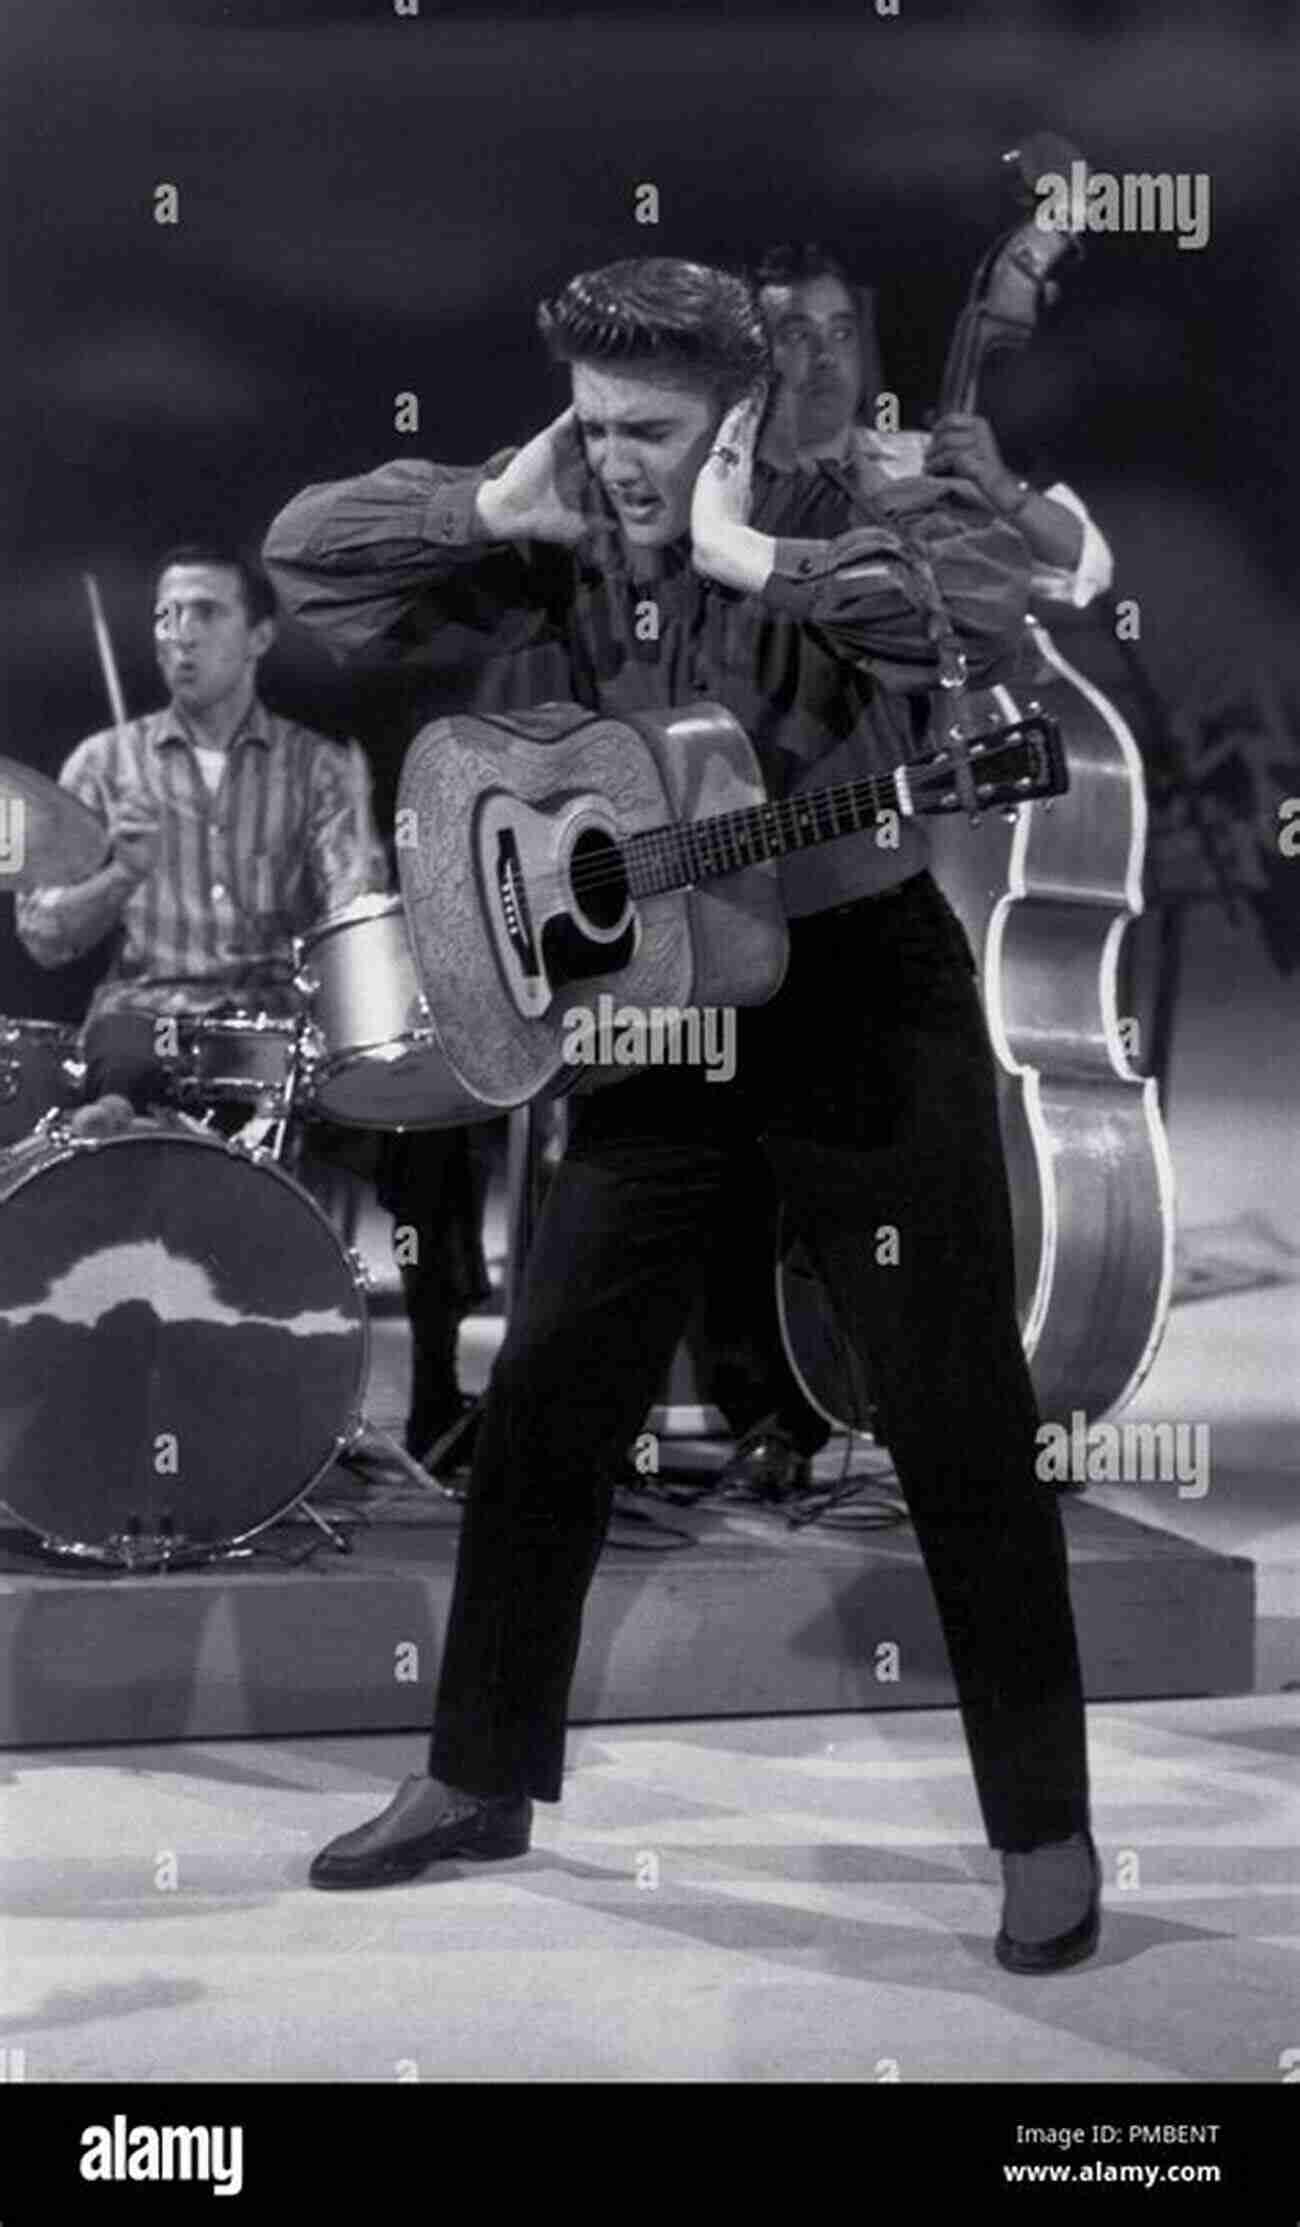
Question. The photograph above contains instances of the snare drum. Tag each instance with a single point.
(183, 1342)
(40, 1068)
(375, 1060)
(234, 1059)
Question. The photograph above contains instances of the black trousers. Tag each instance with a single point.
(864, 1097)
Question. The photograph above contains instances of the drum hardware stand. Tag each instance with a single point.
(365, 1446)
(298, 1062)
(137, 1551)
(371, 1448)
(366, 1449)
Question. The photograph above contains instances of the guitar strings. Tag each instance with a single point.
(666, 846)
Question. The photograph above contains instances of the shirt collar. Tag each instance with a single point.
(255, 726)
(641, 566)
(857, 441)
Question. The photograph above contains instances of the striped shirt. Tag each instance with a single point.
(287, 836)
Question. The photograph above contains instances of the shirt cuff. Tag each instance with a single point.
(1095, 567)
(451, 519)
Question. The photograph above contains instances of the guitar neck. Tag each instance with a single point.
(678, 856)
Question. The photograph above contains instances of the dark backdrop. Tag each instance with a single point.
(372, 203)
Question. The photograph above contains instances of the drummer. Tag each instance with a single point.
(232, 830)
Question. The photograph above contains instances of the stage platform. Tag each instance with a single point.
(713, 1611)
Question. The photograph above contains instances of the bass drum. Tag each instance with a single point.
(183, 1343)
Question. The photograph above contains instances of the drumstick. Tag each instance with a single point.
(104, 644)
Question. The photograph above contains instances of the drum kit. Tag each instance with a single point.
(184, 1338)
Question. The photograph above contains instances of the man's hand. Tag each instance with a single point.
(723, 546)
(538, 496)
(65, 922)
(965, 447)
(135, 846)
(722, 485)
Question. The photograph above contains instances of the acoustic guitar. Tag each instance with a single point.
(558, 857)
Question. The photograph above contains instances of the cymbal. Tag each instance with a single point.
(46, 835)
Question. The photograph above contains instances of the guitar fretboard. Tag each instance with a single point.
(676, 857)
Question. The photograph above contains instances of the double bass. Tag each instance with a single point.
(1046, 896)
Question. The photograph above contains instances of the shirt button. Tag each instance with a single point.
(218, 889)
(805, 564)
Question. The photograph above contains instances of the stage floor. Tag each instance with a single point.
(805, 1899)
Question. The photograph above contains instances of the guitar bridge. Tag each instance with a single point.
(512, 902)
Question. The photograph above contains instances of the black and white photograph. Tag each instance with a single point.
(649, 1086)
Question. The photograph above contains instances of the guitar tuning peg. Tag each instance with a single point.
(974, 818)
(1011, 813)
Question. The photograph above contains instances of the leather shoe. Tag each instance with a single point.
(425, 1821)
(1037, 1880)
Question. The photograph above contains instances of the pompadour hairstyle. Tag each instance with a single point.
(688, 317)
(254, 586)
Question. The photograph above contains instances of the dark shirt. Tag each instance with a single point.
(828, 669)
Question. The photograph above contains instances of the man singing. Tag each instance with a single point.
(864, 1092)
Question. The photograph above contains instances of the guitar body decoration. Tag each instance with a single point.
(504, 809)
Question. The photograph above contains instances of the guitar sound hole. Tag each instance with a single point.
(598, 878)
